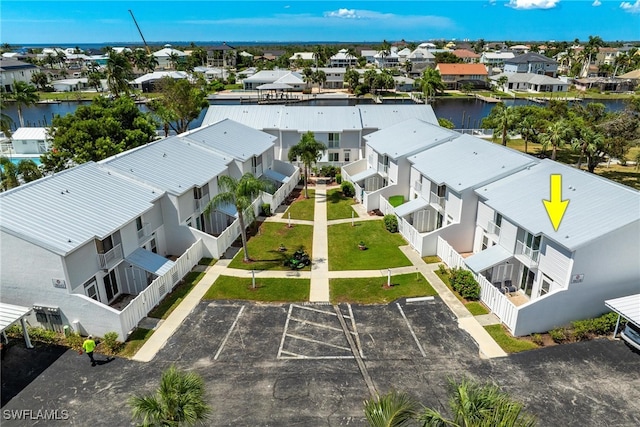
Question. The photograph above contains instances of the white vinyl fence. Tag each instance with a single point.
(276, 199)
(497, 302)
(140, 306)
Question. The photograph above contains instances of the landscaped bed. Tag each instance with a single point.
(267, 289)
(339, 206)
(264, 246)
(373, 290)
(381, 247)
(396, 201)
(171, 301)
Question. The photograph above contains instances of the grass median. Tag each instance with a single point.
(372, 290)
(266, 289)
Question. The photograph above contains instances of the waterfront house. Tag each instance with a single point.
(343, 59)
(294, 79)
(148, 82)
(166, 55)
(528, 82)
(30, 140)
(454, 76)
(495, 59)
(221, 56)
(12, 70)
(531, 63)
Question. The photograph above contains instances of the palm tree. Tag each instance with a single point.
(28, 170)
(556, 134)
(320, 77)
(119, 73)
(8, 174)
(178, 401)
(24, 95)
(587, 143)
(431, 83)
(309, 150)
(151, 64)
(318, 54)
(239, 193)
(393, 409)
(173, 59)
(40, 80)
(352, 77)
(385, 50)
(476, 405)
(505, 118)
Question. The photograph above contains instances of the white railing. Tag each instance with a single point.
(382, 168)
(359, 192)
(495, 300)
(144, 232)
(276, 199)
(201, 203)
(111, 257)
(231, 233)
(436, 200)
(531, 254)
(494, 229)
(6, 148)
(481, 133)
(140, 306)
(385, 206)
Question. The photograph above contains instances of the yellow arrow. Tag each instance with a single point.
(556, 206)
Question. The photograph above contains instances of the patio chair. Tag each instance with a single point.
(497, 284)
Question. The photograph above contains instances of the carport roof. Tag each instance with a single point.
(628, 307)
(411, 206)
(150, 261)
(10, 314)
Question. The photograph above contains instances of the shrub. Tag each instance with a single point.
(347, 189)
(558, 335)
(442, 269)
(391, 223)
(74, 340)
(605, 324)
(265, 209)
(537, 339)
(582, 329)
(463, 282)
(339, 178)
(43, 335)
(111, 342)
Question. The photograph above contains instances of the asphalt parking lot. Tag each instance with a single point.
(314, 364)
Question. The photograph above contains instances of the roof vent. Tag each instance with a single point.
(164, 154)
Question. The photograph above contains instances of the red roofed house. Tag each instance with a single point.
(467, 56)
(455, 75)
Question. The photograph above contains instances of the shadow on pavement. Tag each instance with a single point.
(20, 366)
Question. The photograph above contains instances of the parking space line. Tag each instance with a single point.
(224, 341)
(299, 356)
(284, 332)
(411, 330)
(306, 322)
(355, 330)
(298, 337)
(313, 309)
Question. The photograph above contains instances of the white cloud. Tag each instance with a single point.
(533, 4)
(342, 13)
(596, 3)
(631, 7)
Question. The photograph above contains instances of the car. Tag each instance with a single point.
(631, 334)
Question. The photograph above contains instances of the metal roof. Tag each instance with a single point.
(529, 57)
(320, 119)
(171, 164)
(382, 116)
(268, 76)
(10, 314)
(468, 162)
(39, 134)
(596, 207)
(367, 173)
(483, 260)
(411, 206)
(255, 116)
(63, 211)
(532, 78)
(628, 307)
(228, 137)
(149, 261)
(408, 137)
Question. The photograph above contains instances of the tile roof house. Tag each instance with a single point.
(466, 55)
(456, 75)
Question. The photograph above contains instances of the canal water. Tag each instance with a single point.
(464, 113)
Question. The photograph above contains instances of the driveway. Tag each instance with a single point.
(275, 365)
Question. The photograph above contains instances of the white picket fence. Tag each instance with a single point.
(276, 199)
(385, 206)
(495, 300)
(140, 306)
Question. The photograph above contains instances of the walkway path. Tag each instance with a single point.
(319, 277)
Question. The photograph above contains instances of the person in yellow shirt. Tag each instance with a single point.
(88, 346)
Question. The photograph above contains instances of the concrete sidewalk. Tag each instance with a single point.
(320, 249)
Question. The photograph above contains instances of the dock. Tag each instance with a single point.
(490, 99)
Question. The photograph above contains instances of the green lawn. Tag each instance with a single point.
(136, 340)
(432, 259)
(396, 201)
(302, 209)
(267, 289)
(263, 247)
(476, 308)
(507, 342)
(371, 290)
(338, 206)
(208, 261)
(171, 301)
(382, 247)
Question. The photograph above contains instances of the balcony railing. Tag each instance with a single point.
(144, 232)
(110, 258)
(532, 254)
(436, 200)
(201, 203)
(494, 229)
(382, 168)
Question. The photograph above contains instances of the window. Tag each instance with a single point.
(498, 220)
(334, 140)
(442, 190)
(347, 155)
(139, 223)
(546, 285)
(334, 157)
(91, 289)
(111, 285)
(197, 193)
(532, 241)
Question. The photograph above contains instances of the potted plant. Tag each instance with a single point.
(282, 248)
(362, 246)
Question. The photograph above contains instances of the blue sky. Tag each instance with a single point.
(60, 22)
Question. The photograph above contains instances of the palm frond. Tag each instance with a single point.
(393, 409)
